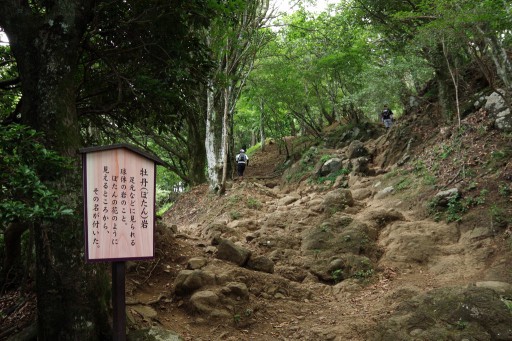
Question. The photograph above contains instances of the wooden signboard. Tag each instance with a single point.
(119, 202)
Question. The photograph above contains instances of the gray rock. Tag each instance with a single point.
(443, 197)
(145, 311)
(479, 312)
(504, 121)
(360, 165)
(153, 334)
(384, 192)
(208, 303)
(237, 290)
(356, 149)
(196, 263)
(229, 251)
(330, 166)
(499, 287)
(361, 194)
(189, 281)
(261, 263)
(289, 199)
(337, 200)
(495, 103)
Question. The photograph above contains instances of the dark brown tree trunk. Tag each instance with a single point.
(12, 267)
(46, 46)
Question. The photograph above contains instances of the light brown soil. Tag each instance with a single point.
(419, 254)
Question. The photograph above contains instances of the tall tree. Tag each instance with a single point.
(67, 49)
(145, 68)
(45, 39)
(234, 40)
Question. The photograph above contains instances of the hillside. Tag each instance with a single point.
(291, 254)
(365, 234)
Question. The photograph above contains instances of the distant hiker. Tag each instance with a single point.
(242, 160)
(387, 117)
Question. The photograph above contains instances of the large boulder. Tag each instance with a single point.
(189, 281)
(495, 103)
(337, 200)
(229, 251)
(504, 120)
(209, 303)
(261, 263)
(449, 314)
(356, 149)
(330, 166)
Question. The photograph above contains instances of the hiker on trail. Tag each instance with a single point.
(242, 160)
(387, 117)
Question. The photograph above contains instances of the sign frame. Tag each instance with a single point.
(129, 152)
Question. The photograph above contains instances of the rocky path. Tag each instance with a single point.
(315, 262)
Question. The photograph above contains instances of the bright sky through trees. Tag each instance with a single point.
(290, 6)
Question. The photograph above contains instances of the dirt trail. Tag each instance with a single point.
(412, 255)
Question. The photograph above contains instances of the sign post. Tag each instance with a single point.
(119, 205)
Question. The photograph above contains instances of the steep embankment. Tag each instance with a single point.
(349, 257)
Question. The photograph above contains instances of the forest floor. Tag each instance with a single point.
(404, 252)
(412, 252)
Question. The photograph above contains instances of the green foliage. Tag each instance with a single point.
(324, 158)
(333, 176)
(461, 325)
(25, 164)
(234, 199)
(8, 71)
(422, 171)
(403, 184)
(337, 275)
(508, 302)
(457, 207)
(363, 274)
(253, 203)
(237, 318)
(309, 158)
(455, 210)
(164, 208)
(234, 215)
(504, 189)
(499, 217)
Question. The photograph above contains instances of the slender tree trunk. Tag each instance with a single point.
(454, 77)
(253, 137)
(262, 124)
(225, 139)
(443, 79)
(211, 141)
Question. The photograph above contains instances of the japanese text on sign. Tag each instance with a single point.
(120, 205)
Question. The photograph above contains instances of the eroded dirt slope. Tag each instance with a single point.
(333, 260)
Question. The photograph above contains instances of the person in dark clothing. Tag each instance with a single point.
(242, 160)
(387, 117)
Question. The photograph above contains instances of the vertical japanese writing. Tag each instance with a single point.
(96, 218)
(133, 200)
(124, 198)
(144, 214)
(120, 204)
(105, 211)
(115, 209)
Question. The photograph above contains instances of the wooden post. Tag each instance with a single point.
(118, 301)
(119, 206)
